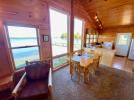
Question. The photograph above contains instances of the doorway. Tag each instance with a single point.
(122, 43)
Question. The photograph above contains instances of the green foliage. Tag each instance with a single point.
(64, 35)
(77, 36)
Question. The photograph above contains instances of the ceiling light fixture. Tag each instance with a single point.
(95, 17)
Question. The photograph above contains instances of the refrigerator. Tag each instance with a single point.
(131, 52)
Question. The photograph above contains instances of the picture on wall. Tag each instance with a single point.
(45, 38)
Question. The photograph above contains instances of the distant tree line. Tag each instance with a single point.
(76, 36)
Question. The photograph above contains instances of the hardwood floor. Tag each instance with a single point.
(123, 63)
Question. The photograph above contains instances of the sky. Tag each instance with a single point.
(78, 26)
(59, 23)
(21, 32)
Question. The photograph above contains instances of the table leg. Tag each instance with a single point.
(79, 72)
(88, 73)
(71, 70)
(85, 74)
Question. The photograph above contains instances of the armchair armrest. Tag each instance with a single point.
(50, 84)
(50, 78)
(20, 84)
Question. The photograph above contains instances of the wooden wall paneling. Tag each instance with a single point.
(71, 34)
(5, 67)
(63, 5)
(109, 34)
(26, 17)
(35, 12)
(45, 46)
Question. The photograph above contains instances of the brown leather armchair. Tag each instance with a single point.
(36, 82)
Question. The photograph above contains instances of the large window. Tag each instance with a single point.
(59, 36)
(23, 44)
(123, 39)
(78, 29)
(91, 37)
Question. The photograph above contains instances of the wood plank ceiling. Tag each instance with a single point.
(112, 13)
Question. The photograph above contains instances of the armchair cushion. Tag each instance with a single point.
(38, 88)
(37, 71)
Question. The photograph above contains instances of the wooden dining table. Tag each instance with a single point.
(84, 61)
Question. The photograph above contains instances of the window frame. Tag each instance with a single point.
(82, 33)
(89, 38)
(10, 48)
(92, 38)
(68, 35)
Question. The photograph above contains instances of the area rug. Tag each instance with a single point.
(107, 84)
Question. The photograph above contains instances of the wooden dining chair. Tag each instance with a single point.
(71, 64)
(95, 64)
(85, 67)
(74, 66)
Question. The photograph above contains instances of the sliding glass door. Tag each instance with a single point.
(59, 36)
(23, 44)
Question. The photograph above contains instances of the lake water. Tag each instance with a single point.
(32, 53)
(21, 55)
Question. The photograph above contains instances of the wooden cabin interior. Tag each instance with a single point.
(66, 50)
